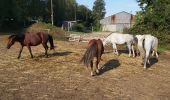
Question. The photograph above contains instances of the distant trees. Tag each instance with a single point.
(21, 13)
(63, 10)
(14, 13)
(98, 13)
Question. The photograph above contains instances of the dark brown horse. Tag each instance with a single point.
(95, 49)
(31, 39)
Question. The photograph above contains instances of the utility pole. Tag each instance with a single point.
(52, 13)
(75, 12)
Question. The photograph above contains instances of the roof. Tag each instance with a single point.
(118, 13)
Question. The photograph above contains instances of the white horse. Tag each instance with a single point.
(118, 38)
(146, 44)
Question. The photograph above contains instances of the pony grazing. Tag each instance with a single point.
(118, 38)
(95, 49)
(146, 44)
(31, 39)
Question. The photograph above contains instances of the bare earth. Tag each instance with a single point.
(62, 77)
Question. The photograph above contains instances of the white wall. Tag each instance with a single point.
(110, 27)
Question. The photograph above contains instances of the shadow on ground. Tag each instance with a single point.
(111, 64)
(65, 53)
(153, 61)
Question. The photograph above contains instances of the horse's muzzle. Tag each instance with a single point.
(8, 47)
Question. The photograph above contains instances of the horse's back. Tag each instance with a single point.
(151, 42)
(98, 43)
(100, 46)
(120, 38)
(35, 38)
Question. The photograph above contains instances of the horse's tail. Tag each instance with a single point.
(51, 42)
(89, 55)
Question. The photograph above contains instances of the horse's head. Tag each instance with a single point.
(11, 41)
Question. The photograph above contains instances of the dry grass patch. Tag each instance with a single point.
(61, 76)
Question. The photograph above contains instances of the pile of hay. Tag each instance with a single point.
(56, 32)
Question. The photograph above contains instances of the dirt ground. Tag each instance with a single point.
(62, 77)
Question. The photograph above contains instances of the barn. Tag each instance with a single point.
(117, 22)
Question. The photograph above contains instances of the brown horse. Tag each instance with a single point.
(95, 49)
(31, 39)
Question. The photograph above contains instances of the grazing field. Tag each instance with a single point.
(62, 77)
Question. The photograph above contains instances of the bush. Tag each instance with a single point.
(163, 37)
(80, 27)
(56, 32)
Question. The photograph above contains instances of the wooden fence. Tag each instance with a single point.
(83, 38)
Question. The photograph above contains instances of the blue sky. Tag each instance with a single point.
(114, 6)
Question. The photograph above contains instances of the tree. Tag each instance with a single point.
(98, 13)
(9, 12)
(154, 19)
(64, 10)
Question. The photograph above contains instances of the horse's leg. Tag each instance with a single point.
(156, 54)
(29, 48)
(155, 51)
(129, 47)
(146, 59)
(46, 48)
(115, 48)
(91, 66)
(133, 51)
(97, 65)
(19, 55)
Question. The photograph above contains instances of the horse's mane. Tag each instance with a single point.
(18, 36)
(108, 35)
(13, 35)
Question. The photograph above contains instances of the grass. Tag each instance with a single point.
(62, 77)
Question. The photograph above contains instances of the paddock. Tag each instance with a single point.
(62, 77)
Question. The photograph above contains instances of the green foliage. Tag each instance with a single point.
(80, 27)
(64, 10)
(85, 20)
(15, 13)
(153, 19)
(98, 13)
(22, 13)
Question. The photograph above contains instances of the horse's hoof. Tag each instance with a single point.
(92, 74)
(97, 71)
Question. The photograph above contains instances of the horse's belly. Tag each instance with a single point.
(120, 42)
(35, 43)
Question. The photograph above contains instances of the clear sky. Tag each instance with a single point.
(114, 6)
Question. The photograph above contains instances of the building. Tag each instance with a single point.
(117, 22)
(68, 25)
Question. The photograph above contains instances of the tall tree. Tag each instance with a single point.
(64, 10)
(9, 12)
(98, 13)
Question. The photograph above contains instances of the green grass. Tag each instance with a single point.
(164, 48)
